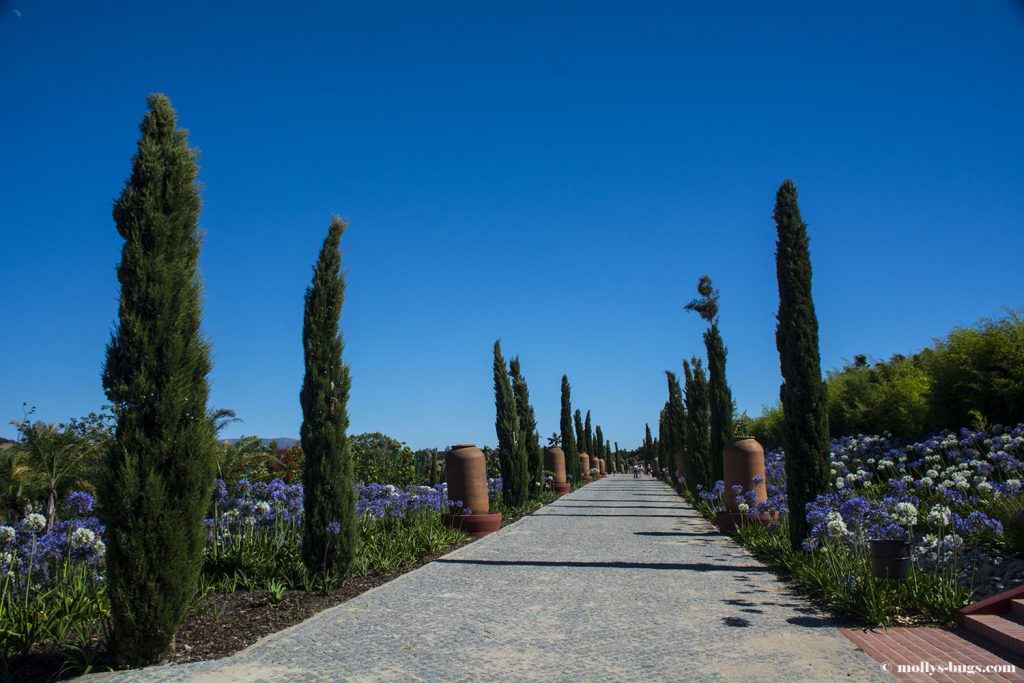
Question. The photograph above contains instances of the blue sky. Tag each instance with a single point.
(554, 174)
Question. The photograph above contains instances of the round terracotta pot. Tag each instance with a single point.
(466, 473)
(585, 466)
(554, 462)
(742, 462)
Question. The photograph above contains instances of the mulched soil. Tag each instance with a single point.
(223, 624)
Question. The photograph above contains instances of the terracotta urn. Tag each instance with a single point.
(742, 464)
(585, 466)
(466, 474)
(657, 469)
(554, 462)
(600, 468)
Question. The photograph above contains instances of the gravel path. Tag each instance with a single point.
(619, 581)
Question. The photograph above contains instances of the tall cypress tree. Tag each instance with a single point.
(804, 406)
(664, 441)
(588, 432)
(161, 462)
(528, 425)
(511, 445)
(698, 424)
(572, 456)
(599, 442)
(676, 427)
(648, 444)
(329, 533)
(719, 395)
(581, 437)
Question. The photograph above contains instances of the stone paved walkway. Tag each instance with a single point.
(619, 581)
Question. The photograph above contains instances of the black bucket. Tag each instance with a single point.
(890, 559)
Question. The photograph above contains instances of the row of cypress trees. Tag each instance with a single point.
(696, 421)
(161, 464)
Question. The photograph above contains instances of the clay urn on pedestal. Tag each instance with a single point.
(601, 473)
(743, 465)
(656, 470)
(585, 466)
(466, 474)
(554, 462)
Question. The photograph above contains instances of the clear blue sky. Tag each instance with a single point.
(554, 174)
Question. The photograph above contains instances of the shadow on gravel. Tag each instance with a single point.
(587, 514)
(735, 621)
(811, 622)
(680, 566)
(713, 534)
(626, 507)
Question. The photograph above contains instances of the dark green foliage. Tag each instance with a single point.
(528, 424)
(511, 444)
(572, 456)
(598, 444)
(698, 425)
(648, 450)
(588, 447)
(665, 441)
(377, 457)
(161, 462)
(768, 428)
(327, 469)
(719, 395)
(972, 377)
(804, 402)
(675, 428)
(978, 372)
(889, 397)
(581, 436)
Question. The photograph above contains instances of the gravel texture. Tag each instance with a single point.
(618, 581)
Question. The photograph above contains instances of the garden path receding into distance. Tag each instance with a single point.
(618, 581)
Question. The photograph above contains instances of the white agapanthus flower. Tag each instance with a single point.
(35, 522)
(925, 482)
(932, 474)
(263, 507)
(6, 534)
(939, 516)
(840, 483)
(985, 487)
(743, 507)
(835, 525)
(100, 547)
(905, 514)
(81, 538)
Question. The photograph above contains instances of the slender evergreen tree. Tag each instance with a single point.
(581, 437)
(528, 424)
(511, 445)
(719, 395)
(599, 443)
(572, 456)
(698, 424)
(676, 428)
(589, 433)
(664, 441)
(649, 453)
(161, 462)
(329, 531)
(804, 406)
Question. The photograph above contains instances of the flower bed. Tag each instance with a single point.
(53, 594)
(955, 498)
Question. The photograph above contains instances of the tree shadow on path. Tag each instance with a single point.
(679, 566)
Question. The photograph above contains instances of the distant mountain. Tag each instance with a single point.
(282, 441)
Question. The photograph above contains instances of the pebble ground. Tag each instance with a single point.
(618, 581)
